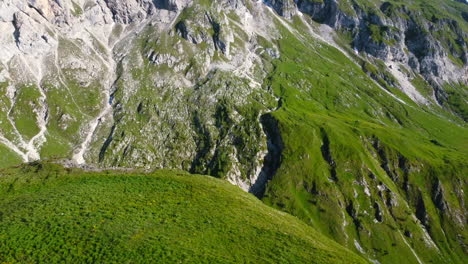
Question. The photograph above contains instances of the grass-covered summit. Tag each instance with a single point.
(49, 214)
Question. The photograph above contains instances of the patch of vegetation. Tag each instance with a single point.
(422, 86)
(8, 158)
(457, 99)
(66, 116)
(52, 214)
(27, 102)
(379, 34)
(77, 11)
(6, 128)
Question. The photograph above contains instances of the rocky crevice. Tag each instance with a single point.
(438, 196)
(17, 32)
(203, 143)
(327, 155)
(421, 212)
(106, 144)
(351, 210)
(327, 12)
(272, 160)
(385, 161)
(218, 44)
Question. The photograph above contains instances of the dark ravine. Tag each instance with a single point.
(272, 160)
(16, 33)
(106, 144)
(327, 12)
(327, 155)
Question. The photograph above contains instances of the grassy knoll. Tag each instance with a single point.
(49, 214)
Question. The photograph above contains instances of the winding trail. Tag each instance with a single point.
(22, 142)
(59, 76)
(78, 157)
(36, 142)
(30, 151)
(411, 248)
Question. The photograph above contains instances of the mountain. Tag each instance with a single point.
(350, 114)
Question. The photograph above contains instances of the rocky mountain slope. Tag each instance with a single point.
(349, 114)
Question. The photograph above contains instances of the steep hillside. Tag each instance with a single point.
(383, 176)
(349, 114)
(49, 214)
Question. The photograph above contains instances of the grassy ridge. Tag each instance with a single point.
(53, 215)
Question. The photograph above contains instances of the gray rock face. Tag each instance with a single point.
(396, 33)
(126, 12)
(285, 8)
(171, 5)
(327, 12)
(88, 54)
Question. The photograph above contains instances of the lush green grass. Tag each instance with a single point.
(7, 129)
(77, 11)
(456, 99)
(22, 114)
(53, 215)
(8, 157)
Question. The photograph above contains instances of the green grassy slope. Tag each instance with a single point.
(362, 167)
(53, 215)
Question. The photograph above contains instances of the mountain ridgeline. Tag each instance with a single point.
(56, 215)
(349, 114)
